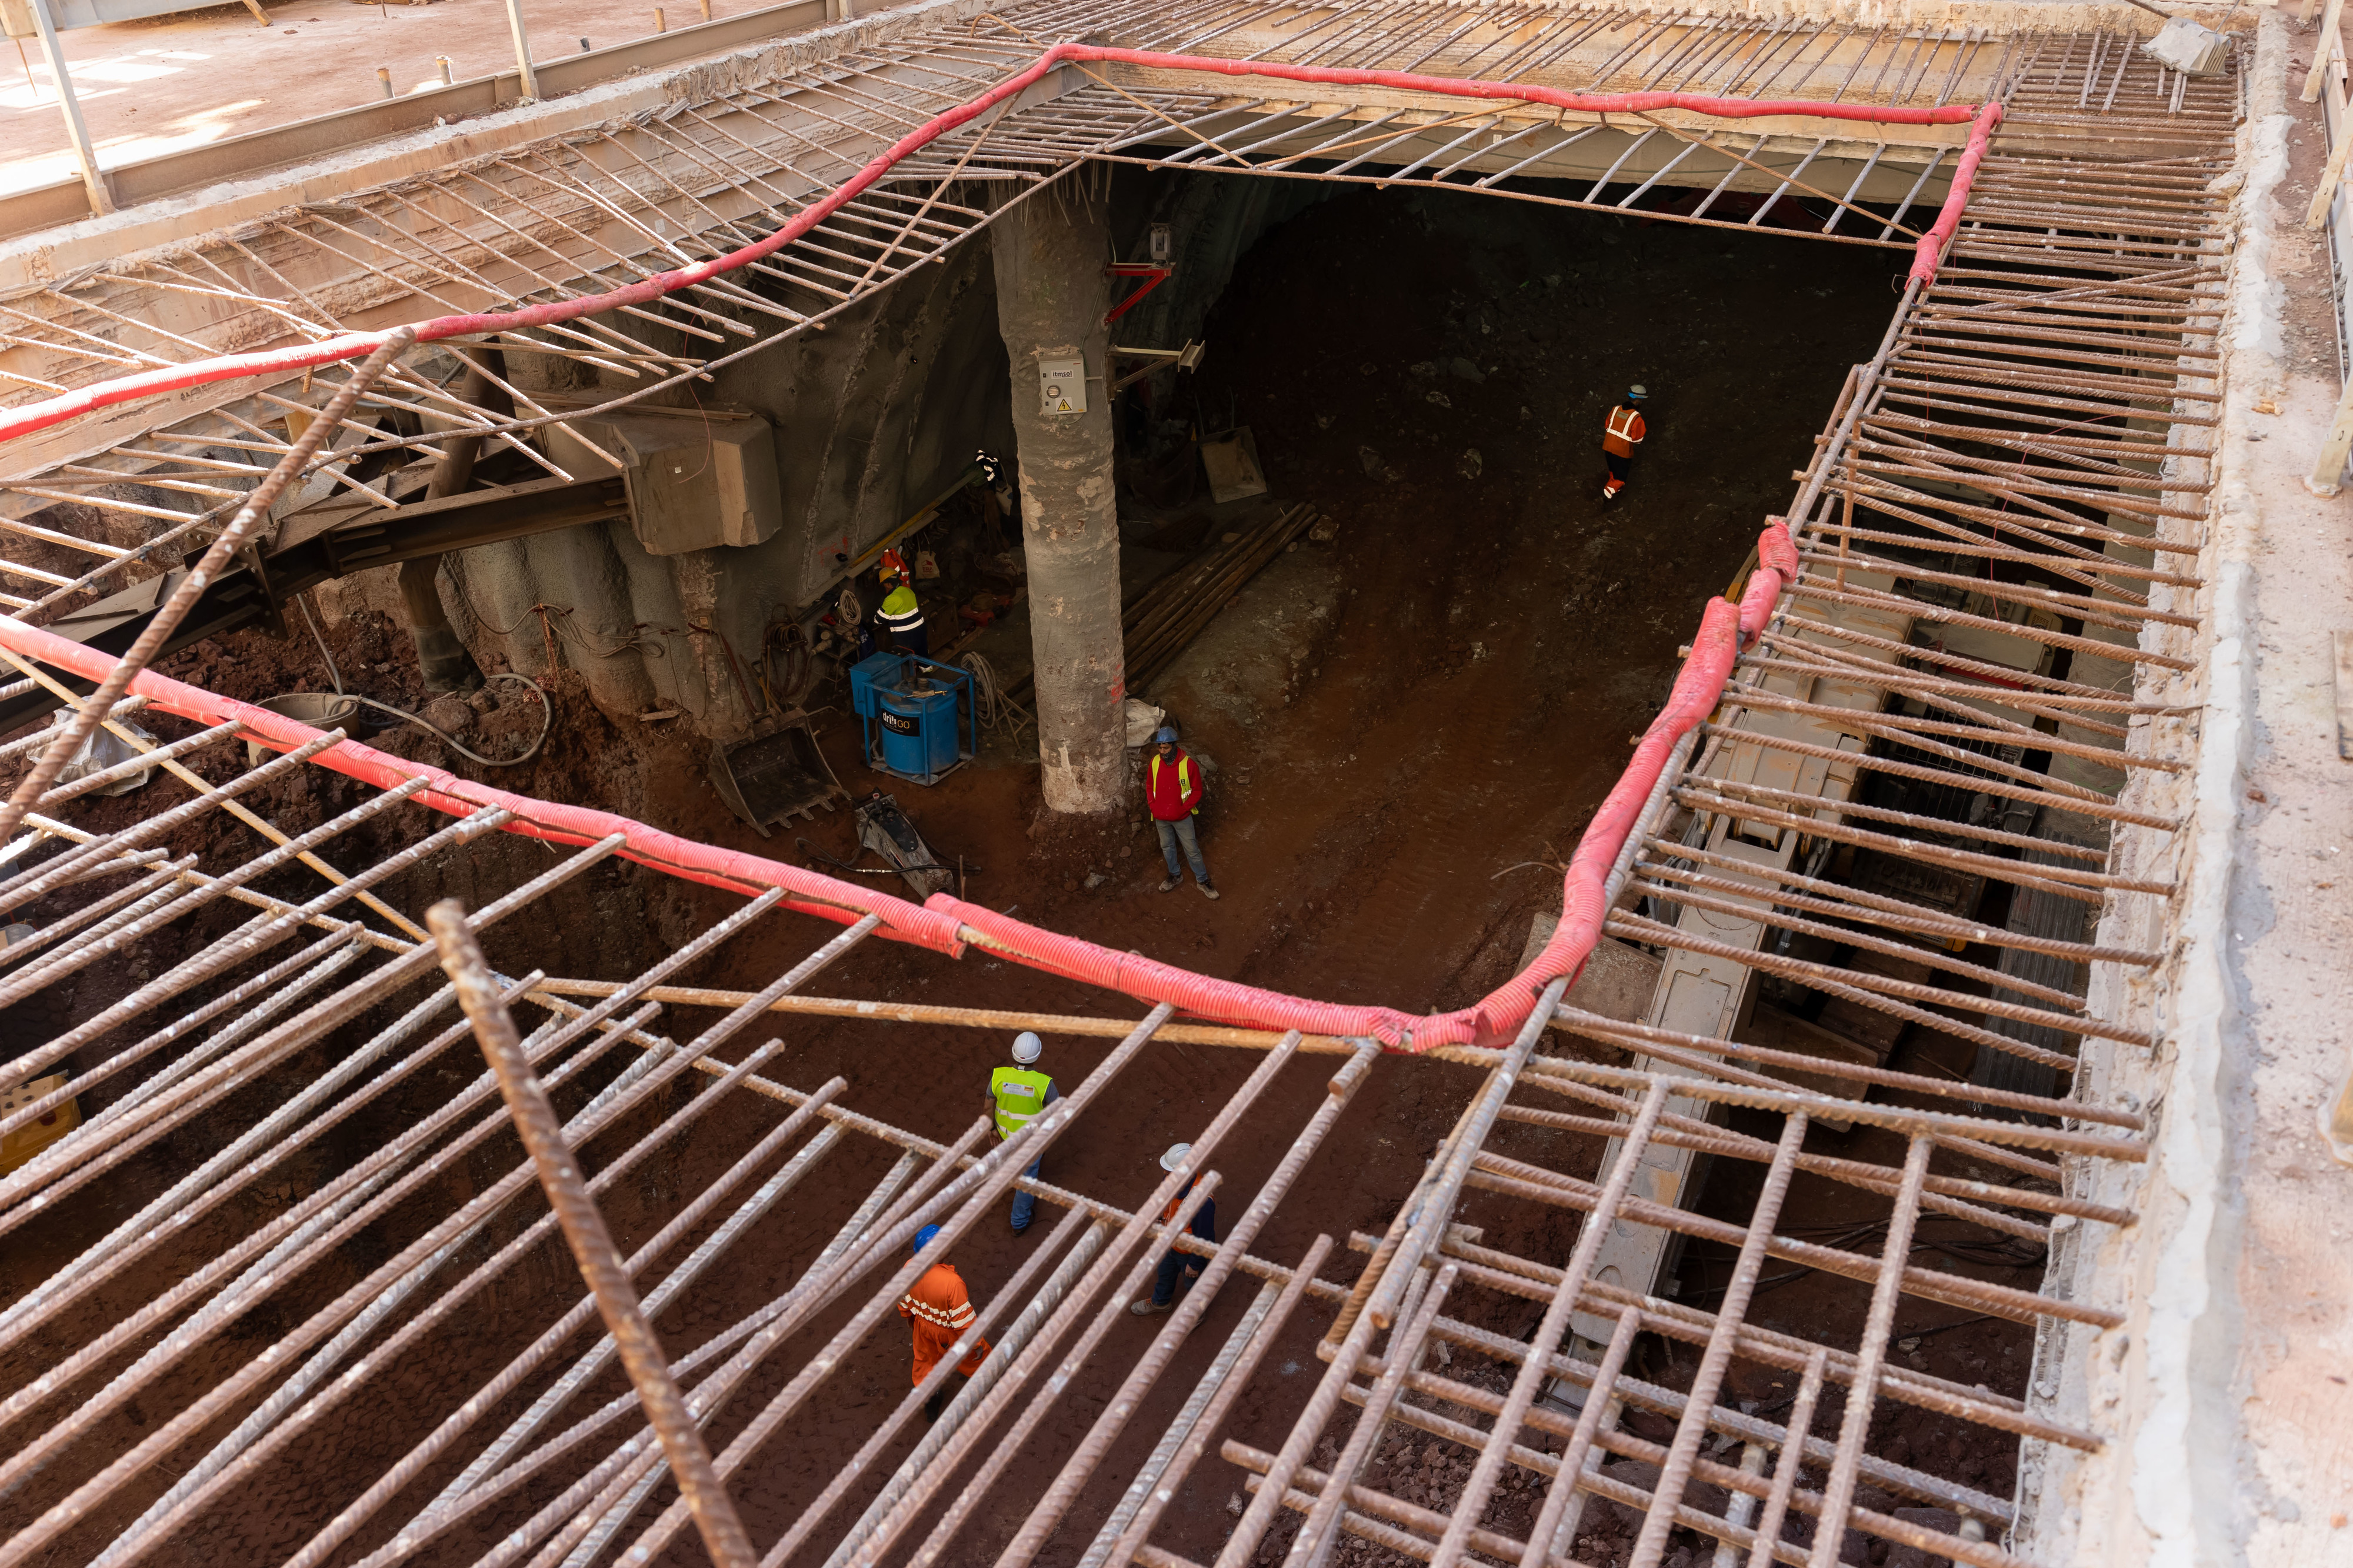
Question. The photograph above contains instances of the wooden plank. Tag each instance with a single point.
(2322, 48)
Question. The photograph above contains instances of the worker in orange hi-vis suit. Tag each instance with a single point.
(1622, 432)
(941, 1313)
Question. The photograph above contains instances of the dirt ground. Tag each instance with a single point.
(1409, 727)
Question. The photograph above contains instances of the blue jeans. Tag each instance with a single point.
(1025, 1203)
(1172, 1263)
(1182, 831)
(1189, 1264)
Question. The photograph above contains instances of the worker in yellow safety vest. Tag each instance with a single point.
(1017, 1094)
(901, 614)
(1620, 433)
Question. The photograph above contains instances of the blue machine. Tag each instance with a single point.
(920, 720)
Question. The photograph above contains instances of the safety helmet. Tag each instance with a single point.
(1166, 736)
(1636, 393)
(1175, 1156)
(894, 566)
(1025, 1047)
(924, 1237)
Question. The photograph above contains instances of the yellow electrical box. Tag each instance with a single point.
(17, 1147)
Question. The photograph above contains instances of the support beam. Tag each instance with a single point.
(2323, 48)
(522, 49)
(443, 659)
(93, 179)
(1050, 253)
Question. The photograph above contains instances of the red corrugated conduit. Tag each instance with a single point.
(947, 924)
(28, 417)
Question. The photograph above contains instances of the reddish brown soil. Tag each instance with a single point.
(1493, 644)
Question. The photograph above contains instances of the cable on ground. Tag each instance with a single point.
(546, 704)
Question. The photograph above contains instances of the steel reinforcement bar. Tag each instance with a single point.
(26, 418)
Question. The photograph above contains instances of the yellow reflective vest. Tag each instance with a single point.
(1020, 1094)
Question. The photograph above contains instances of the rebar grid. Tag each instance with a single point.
(1969, 444)
(593, 208)
(174, 1285)
(1980, 675)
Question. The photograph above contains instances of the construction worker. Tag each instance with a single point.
(941, 1312)
(1620, 435)
(1171, 784)
(1172, 1262)
(901, 615)
(1016, 1094)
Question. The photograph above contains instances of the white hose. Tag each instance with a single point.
(546, 722)
(990, 704)
(546, 717)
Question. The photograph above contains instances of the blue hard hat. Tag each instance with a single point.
(924, 1237)
(1167, 735)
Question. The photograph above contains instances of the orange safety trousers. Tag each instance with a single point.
(941, 1312)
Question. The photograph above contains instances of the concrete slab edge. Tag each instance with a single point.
(46, 259)
(2183, 1452)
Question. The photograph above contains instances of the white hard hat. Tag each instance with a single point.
(1027, 1046)
(1175, 1156)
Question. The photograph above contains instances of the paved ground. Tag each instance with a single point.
(170, 82)
(2289, 921)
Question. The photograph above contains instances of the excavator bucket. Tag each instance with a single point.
(777, 774)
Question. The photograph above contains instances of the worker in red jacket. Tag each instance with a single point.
(1620, 433)
(1172, 783)
(941, 1313)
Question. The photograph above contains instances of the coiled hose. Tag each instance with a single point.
(991, 706)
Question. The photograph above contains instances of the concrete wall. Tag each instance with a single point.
(873, 419)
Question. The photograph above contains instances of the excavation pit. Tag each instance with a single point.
(1913, 874)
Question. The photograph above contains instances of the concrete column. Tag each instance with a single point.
(1051, 294)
